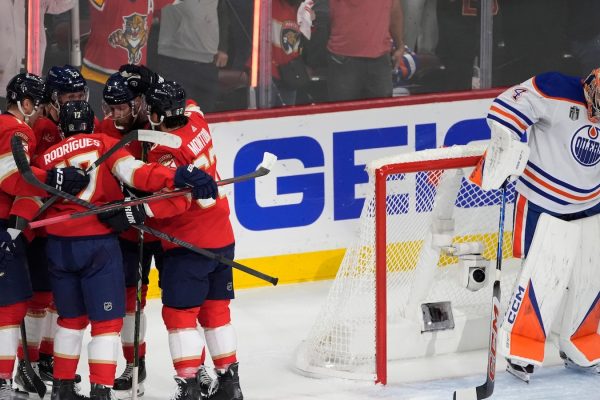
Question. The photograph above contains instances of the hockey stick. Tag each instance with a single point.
(263, 169)
(142, 135)
(25, 170)
(486, 389)
(34, 379)
(138, 307)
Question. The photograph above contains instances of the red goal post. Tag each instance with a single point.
(423, 229)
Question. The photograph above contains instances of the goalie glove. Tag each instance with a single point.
(505, 157)
(119, 220)
(69, 179)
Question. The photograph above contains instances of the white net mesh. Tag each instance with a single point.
(342, 340)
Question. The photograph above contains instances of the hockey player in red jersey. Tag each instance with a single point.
(25, 92)
(62, 84)
(194, 288)
(124, 112)
(84, 256)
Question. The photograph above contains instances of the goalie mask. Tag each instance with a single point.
(591, 90)
(76, 117)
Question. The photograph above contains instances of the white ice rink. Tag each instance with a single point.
(272, 321)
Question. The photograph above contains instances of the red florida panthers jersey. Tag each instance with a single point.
(82, 150)
(11, 182)
(206, 222)
(107, 126)
(47, 134)
(119, 35)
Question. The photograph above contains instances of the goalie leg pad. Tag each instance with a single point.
(539, 290)
(579, 339)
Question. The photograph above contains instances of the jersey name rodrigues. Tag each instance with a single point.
(549, 112)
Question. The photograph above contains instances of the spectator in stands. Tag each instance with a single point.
(360, 46)
(190, 52)
(287, 67)
(583, 34)
(119, 32)
(420, 25)
(13, 33)
(458, 46)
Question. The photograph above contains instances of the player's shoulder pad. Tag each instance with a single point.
(560, 86)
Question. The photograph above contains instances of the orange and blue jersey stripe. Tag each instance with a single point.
(510, 117)
(556, 190)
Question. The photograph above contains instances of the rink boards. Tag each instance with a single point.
(296, 222)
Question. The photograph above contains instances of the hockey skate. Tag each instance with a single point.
(123, 384)
(7, 392)
(519, 369)
(23, 380)
(229, 384)
(66, 389)
(187, 389)
(101, 392)
(46, 369)
(594, 369)
(208, 385)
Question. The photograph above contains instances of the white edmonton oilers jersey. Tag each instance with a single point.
(549, 112)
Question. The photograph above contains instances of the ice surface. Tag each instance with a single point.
(272, 321)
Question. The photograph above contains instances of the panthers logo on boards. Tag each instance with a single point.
(585, 146)
(132, 37)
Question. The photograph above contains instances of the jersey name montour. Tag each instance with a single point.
(549, 112)
(69, 147)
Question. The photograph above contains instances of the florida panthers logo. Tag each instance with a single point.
(132, 37)
(290, 37)
(585, 146)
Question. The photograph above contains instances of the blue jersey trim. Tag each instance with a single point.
(558, 181)
(514, 110)
(555, 84)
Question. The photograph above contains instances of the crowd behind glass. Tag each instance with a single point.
(207, 45)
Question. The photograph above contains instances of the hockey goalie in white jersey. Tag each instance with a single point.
(545, 131)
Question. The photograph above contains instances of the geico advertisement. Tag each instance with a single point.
(313, 197)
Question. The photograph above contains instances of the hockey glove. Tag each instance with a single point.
(139, 78)
(203, 185)
(69, 179)
(7, 250)
(121, 219)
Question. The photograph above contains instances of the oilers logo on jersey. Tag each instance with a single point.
(585, 147)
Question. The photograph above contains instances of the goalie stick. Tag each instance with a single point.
(486, 389)
(142, 135)
(25, 170)
(33, 377)
(263, 169)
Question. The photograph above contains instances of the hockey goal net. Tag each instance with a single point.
(426, 233)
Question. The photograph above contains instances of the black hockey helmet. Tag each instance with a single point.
(66, 79)
(117, 90)
(76, 117)
(26, 86)
(166, 99)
